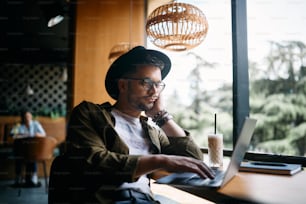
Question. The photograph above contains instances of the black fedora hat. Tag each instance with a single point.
(128, 61)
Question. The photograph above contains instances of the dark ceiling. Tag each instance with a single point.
(25, 36)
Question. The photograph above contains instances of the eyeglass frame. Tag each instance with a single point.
(148, 83)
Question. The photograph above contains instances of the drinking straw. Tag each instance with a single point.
(215, 123)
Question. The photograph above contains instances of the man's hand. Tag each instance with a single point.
(171, 163)
(158, 106)
(186, 164)
(170, 127)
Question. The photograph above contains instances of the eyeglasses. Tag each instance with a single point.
(148, 84)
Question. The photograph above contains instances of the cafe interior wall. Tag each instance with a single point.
(101, 25)
(80, 44)
(98, 26)
(40, 88)
(31, 54)
(33, 61)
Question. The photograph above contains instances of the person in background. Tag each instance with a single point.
(27, 128)
(134, 137)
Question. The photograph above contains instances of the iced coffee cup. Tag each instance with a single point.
(215, 150)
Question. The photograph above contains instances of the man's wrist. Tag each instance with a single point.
(161, 117)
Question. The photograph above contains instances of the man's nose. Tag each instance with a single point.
(154, 88)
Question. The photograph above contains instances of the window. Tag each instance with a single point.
(200, 80)
(260, 72)
(277, 68)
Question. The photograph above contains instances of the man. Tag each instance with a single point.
(120, 142)
(27, 128)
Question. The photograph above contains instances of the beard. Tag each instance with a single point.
(145, 107)
(141, 103)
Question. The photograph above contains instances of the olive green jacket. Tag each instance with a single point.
(92, 139)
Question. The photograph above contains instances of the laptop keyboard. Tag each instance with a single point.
(218, 174)
(198, 181)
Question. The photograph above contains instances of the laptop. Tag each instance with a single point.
(222, 177)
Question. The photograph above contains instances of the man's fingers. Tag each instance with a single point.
(209, 172)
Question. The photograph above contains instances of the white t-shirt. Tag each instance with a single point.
(130, 131)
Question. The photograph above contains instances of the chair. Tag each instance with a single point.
(70, 183)
(35, 149)
(60, 187)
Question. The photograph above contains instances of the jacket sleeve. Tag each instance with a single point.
(91, 139)
(184, 146)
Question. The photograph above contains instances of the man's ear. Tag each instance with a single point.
(122, 85)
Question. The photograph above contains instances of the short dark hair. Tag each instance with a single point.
(22, 115)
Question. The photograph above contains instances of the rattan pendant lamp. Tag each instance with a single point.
(177, 26)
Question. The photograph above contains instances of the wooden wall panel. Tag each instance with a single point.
(99, 26)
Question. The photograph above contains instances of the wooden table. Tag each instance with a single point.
(176, 195)
(265, 188)
(255, 188)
